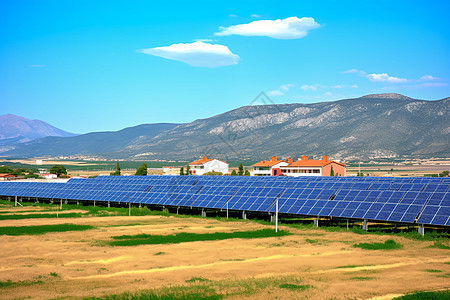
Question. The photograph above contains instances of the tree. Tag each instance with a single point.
(181, 171)
(332, 171)
(6, 169)
(247, 173)
(233, 173)
(443, 174)
(58, 170)
(241, 170)
(117, 172)
(188, 168)
(142, 170)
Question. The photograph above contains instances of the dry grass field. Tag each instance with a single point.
(310, 263)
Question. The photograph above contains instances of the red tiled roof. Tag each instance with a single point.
(204, 160)
(267, 163)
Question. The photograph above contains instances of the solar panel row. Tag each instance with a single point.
(410, 200)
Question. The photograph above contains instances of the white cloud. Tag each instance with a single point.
(255, 16)
(428, 77)
(197, 54)
(286, 87)
(275, 93)
(432, 84)
(311, 87)
(359, 72)
(289, 28)
(384, 77)
(205, 40)
(343, 86)
(233, 16)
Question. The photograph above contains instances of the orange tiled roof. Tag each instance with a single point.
(204, 160)
(267, 163)
(313, 163)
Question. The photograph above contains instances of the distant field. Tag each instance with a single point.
(206, 258)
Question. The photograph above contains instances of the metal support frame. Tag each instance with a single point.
(421, 229)
(316, 221)
(15, 200)
(276, 216)
(203, 213)
(365, 225)
(347, 223)
(178, 209)
(94, 203)
(227, 209)
(244, 215)
(109, 204)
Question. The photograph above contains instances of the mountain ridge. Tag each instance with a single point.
(23, 129)
(364, 127)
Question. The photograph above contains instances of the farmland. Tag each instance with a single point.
(78, 257)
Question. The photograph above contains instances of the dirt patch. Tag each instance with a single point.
(76, 264)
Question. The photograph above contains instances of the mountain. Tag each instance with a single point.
(15, 129)
(372, 126)
(90, 144)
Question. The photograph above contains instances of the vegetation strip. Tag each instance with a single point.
(42, 229)
(203, 288)
(388, 245)
(184, 237)
(40, 216)
(439, 295)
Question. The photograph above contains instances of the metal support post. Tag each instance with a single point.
(421, 229)
(60, 204)
(276, 216)
(94, 203)
(365, 226)
(227, 210)
(15, 200)
(316, 221)
(244, 215)
(347, 224)
(78, 202)
(178, 209)
(109, 204)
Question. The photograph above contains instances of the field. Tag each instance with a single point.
(80, 257)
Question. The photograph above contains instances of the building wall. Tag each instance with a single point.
(213, 165)
(302, 171)
(269, 171)
(337, 168)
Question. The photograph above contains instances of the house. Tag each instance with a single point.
(205, 165)
(171, 170)
(268, 167)
(6, 176)
(310, 167)
(49, 176)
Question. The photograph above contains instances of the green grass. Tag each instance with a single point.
(185, 237)
(361, 278)
(39, 216)
(291, 286)
(42, 229)
(201, 288)
(432, 271)
(197, 279)
(439, 245)
(439, 295)
(351, 266)
(388, 245)
(9, 283)
(159, 253)
(312, 241)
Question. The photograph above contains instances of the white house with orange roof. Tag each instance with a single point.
(268, 167)
(205, 165)
(310, 167)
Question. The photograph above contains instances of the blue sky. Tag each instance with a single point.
(89, 66)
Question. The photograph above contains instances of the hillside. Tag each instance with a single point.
(372, 126)
(19, 129)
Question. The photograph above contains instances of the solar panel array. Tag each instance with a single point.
(410, 200)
